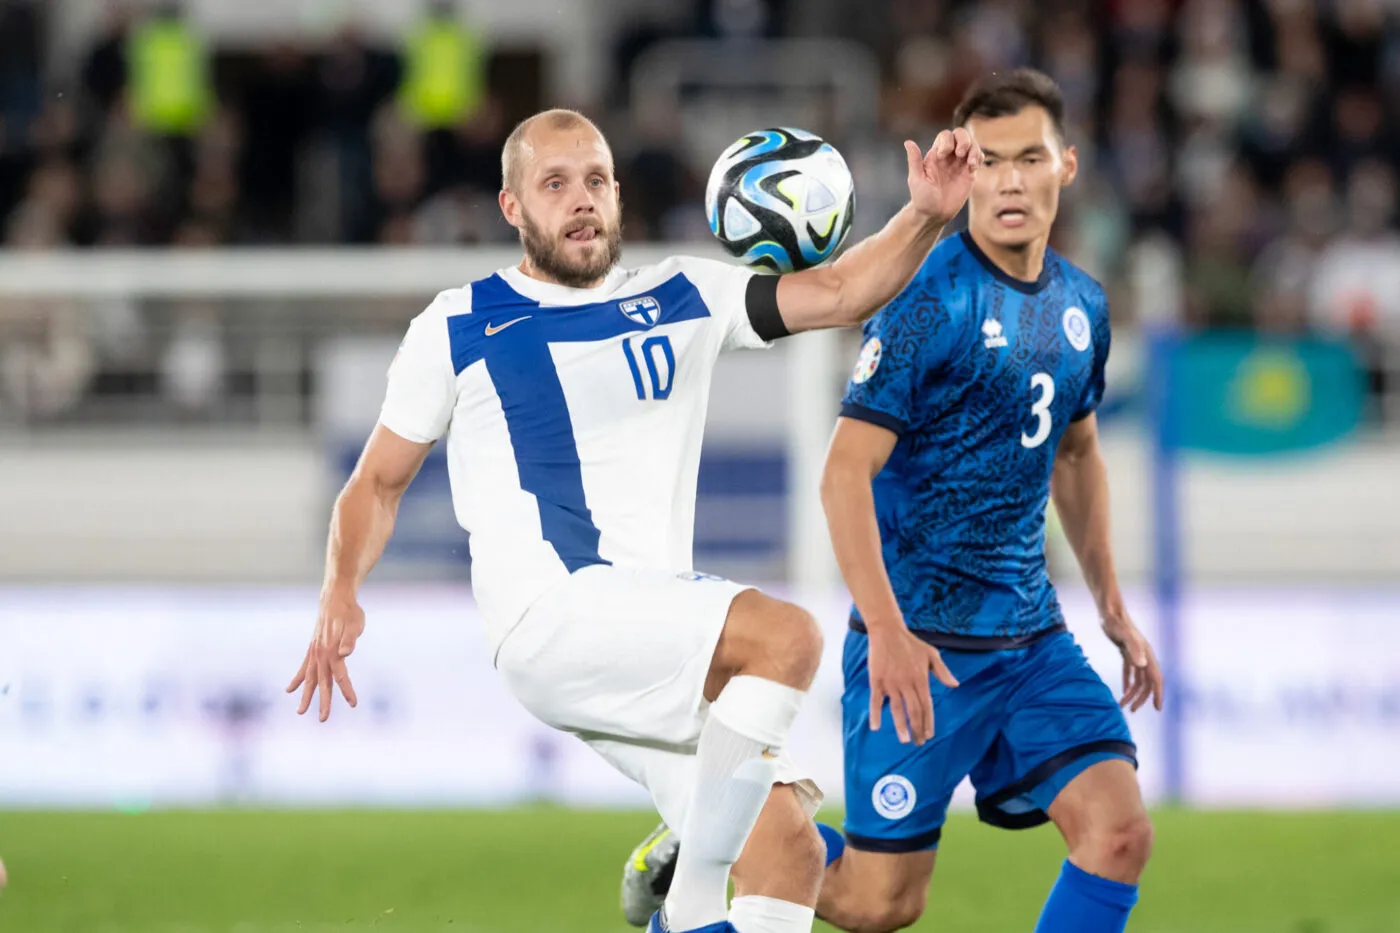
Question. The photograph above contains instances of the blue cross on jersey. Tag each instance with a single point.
(512, 334)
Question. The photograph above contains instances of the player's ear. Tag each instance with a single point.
(510, 207)
(1070, 166)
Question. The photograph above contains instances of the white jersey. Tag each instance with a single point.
(573, 417)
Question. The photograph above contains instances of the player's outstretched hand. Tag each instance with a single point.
(939, 182)
(899, 667)
(339, 624)
(1142, 676)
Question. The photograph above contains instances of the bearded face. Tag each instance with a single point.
(576, 254)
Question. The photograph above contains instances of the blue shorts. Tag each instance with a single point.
(1022, 723)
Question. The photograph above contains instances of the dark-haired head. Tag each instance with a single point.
(1017, 118)
(1007, 94)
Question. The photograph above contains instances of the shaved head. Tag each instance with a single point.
(520, 148)
(558, 191)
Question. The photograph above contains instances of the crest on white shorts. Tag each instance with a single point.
(1076, 324)
(894, 797)
(867, 362)
(695, 576)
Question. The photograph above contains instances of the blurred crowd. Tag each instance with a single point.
(1256, 138)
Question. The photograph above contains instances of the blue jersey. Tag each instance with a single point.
(978, 374)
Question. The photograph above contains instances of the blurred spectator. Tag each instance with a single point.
(444, 78)
(1137, 151)
(1212, 80)
(21, 39)
(104, 68)
(656, 180)
(20, 95)
(170, 92)
(400, 178)
(1282, 275)
(1222, 234)
(277, 107)
(47, 360)
(1276, 132)
(353, 80)
(1356, 283)
(1256, 134)
(468, 155)
(1359, 130)
(1069, 54)
(193, 364)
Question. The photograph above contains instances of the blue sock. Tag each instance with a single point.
(1085, 903)
(835, 842)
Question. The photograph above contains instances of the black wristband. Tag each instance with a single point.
(761, 302)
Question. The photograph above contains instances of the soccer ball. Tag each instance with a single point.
(780, 200)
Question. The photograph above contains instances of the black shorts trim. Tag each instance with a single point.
(761, 303)
(871, 416)
(917, 843)
(988, 808)
(953, 642)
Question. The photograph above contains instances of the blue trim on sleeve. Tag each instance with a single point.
(872, 416)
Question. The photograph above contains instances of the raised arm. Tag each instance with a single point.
(867, 276)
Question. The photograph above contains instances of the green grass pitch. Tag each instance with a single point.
(544, 870)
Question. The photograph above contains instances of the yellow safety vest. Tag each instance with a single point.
(443, 75)
(168, 78)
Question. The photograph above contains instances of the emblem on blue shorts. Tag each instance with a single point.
(893, 797)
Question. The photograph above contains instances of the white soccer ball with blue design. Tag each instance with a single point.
(781, 200)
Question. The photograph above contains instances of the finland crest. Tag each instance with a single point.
(893, 797)
(645, 310)
(1076, 324)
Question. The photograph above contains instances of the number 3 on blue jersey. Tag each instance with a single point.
(1040, 407)
(660, 361)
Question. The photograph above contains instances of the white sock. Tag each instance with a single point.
(769, 915)
(736, 762)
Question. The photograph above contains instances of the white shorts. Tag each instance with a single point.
(619, 657)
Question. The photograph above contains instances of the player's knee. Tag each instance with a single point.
(1123, 848)
(769, 638)
(798, 640)
(1133, 842)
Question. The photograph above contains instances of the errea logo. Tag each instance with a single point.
(991, 329)
(645, 310)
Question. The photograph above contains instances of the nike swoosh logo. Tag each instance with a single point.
(496, 329)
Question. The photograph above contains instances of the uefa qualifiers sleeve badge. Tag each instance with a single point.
(1076, 324)
(867, 362)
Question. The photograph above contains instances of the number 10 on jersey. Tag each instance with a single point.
(656, 356)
